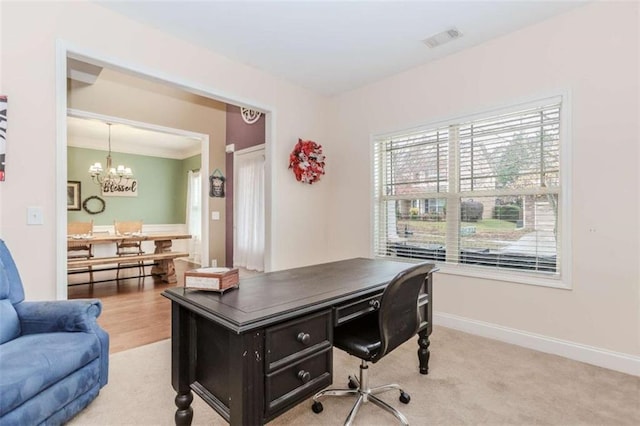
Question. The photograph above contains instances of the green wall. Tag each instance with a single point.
(162, 187)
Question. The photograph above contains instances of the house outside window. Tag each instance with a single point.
(482, 193)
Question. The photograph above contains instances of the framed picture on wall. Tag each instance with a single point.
(73, 195)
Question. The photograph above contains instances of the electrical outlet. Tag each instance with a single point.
(214, 263)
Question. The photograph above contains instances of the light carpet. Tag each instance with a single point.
(472, 381)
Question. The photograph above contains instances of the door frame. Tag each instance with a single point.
(65, 50)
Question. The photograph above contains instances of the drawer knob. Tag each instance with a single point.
(303, 338)
(375, 304)
(304, 376)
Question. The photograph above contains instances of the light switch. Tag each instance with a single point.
(215, 215)
(34, 216)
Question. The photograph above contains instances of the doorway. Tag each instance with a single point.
(249, 211)
(64, 52)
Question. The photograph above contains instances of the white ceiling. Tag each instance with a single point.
(335, 46)
(94, 134)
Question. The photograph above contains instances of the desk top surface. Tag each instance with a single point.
(274, 296)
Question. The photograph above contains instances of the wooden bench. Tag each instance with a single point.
(164, 263)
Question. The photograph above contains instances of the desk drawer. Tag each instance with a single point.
(285, 343)
(353, 310)
(298, 381)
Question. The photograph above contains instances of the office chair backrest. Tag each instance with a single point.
(398, 317)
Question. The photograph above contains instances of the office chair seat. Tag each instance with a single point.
(360, 338)
(376, 334)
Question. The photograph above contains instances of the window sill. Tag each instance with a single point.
(502, 275)
(490, 274)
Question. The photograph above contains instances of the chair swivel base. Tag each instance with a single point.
(360, 389)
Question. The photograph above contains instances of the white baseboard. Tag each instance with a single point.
(617, 361)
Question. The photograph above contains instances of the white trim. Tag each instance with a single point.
(61, 171)
(566, 161)
(243, 151)
(66, 49)
(475, 113)
(269, 189)
(625, 363)
(500, 274)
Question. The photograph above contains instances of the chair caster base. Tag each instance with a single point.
(317, 407)
(404, 397)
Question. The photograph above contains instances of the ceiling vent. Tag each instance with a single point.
(442, 38)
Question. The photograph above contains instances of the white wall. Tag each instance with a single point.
(592, 52)
(29, 34)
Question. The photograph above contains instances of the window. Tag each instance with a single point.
(479, 192)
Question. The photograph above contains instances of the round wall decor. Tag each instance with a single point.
(307, 161)
(249, 116)
(93, 207)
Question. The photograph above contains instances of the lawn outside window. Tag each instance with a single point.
(483, 195)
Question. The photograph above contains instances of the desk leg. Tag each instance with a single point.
(165, 268)
(246, 389)
(423, 351)
(184, 413)
(181, 370)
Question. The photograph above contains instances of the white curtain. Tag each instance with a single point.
(194, 215)
(249, 211)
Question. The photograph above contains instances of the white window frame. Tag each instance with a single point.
(563, 280)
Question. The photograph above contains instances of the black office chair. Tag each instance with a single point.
(374, 335)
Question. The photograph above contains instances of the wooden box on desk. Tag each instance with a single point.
(213, 279)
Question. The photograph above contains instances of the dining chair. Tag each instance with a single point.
(79, 245)
(127, 247)
(375, 335)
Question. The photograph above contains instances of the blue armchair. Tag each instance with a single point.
(54, 357)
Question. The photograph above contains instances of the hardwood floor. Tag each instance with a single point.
(134, 311)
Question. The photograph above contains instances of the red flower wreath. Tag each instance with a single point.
(307, 161)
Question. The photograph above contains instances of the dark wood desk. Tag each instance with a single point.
(255, 352)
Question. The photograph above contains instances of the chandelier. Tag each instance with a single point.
(110, 174)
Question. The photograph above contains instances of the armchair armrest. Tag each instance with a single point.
(58, 316)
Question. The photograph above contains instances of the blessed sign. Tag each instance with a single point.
(125, 188)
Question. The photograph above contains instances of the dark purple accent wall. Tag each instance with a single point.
(242, 135)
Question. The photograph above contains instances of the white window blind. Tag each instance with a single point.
(481, 191)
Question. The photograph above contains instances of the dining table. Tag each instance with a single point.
(163, 256)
